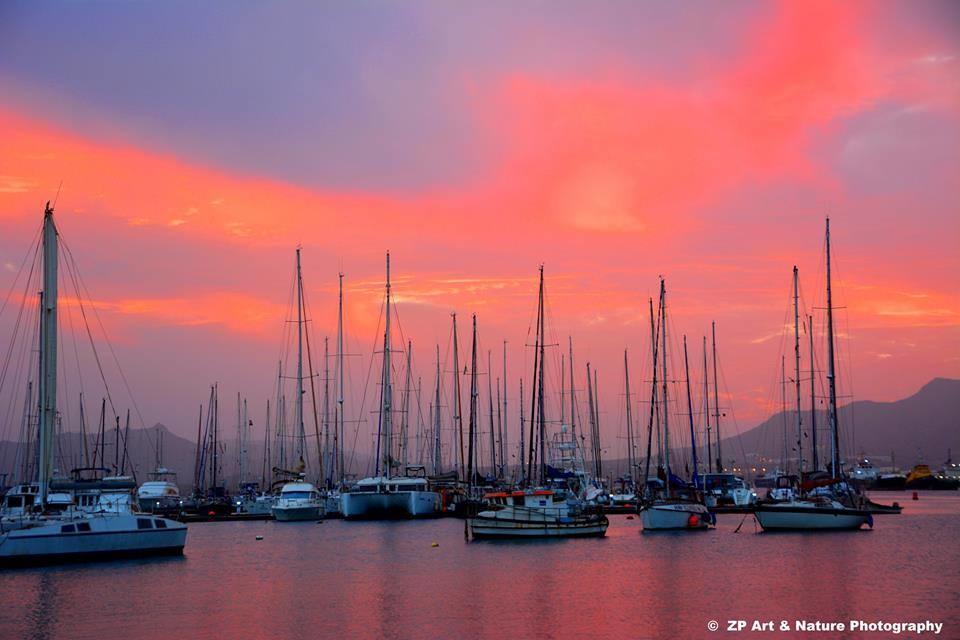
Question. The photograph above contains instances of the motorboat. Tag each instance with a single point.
(159, 494)
(298, 501)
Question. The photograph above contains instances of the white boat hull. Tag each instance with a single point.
(796, 517)
(298, 513)
(389, 504)
(665, 516)
(101, 537)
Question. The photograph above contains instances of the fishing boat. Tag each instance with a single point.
(921, 477)
(535, 514)
(680, 506)
(52, 529)
(556, 507)
(386, 494)
(824, 504)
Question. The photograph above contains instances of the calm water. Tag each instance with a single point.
(385, 580)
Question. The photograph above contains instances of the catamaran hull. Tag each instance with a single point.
(667, 517)
(109, 539)
(389, 505)
(494, 528)
(297, 514)
(776, 518)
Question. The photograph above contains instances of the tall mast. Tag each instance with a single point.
(593, 425)
(573, 402)
(783, 408)
(631, 463)
(501, 470)
(663, 368)
(693, 435)
(813, 399)
(404, 442)
(522, 467)
(654, 393)
(241, 449)
(386, 404)
(215, 437)
(542, 427)
(505, 448)
(796, 351)
(298, 401)
(338, 433)
(706, 406)
(493, 442)
(264, 486)
(48, 354)
(531, 454)
(653, 403)
(473, 404)
(716, 392)
(596, 425)
(437, 462)
(831, 373)
(328, 461)
(457, 406)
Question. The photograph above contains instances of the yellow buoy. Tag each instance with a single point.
(435, 544)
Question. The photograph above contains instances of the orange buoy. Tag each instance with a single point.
(916, 496)
(693, 521)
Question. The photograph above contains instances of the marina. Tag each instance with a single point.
(431, 320)
(392, 582)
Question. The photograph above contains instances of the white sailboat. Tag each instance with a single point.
(826, 509)
(53, 530)
(675, 508)
(385, 495)
(299, 500)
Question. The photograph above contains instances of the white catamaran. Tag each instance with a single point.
(52, 529)
(386, 495)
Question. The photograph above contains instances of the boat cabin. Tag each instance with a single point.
(532, 499)
(381, 484)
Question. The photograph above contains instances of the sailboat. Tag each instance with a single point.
(51, 533)
(386, 495)
(545, 510)
(676, 507)
(832, 504)
(299, 500)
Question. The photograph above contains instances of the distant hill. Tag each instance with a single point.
(179, 455)
(921, 427)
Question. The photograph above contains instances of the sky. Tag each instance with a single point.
(194, 146)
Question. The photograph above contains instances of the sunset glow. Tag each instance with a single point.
(709, 155)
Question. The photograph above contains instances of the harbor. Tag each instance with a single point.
(553, 319)
(388, 579)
